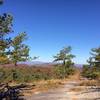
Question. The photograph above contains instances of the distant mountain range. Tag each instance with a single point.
(79, 65)
(38, 63)
(35, 63)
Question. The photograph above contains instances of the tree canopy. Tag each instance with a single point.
(20, 51)
(64, 55)
(95, 58)
(5, 28)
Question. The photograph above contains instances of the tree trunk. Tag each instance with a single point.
(15, 63)
(64, 62)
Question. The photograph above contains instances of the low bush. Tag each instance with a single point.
(90, 72)
(63, 71)
(30, 74)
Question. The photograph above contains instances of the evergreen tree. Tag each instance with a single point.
(64, 55)
(5, 28)
(20, 51)
(96, 58)
(92, 70)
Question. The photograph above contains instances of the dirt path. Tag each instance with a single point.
(67, 93)
(71, 90)
(61, 93)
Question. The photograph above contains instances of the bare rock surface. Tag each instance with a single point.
(66, 92)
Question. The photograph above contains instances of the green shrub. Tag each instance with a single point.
(29, 74)
(90, 72)
(63, 71)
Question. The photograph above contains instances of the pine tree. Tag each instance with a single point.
(5, 29)
(96, 57)
(92, 70)
(64, 55)
(20, 51)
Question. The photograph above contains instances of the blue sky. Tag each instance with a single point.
(53, 24)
